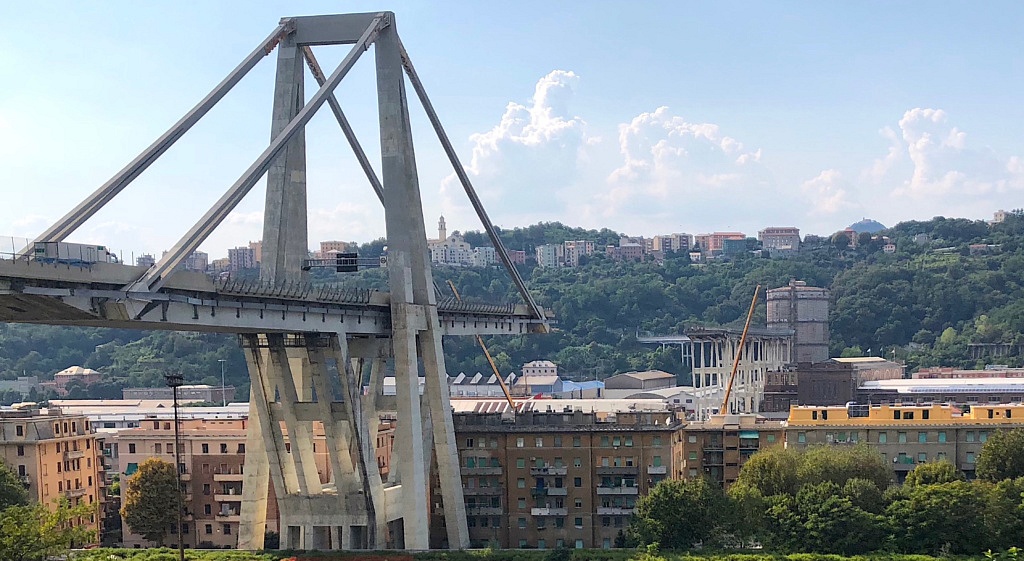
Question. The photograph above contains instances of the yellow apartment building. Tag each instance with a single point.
(905, 435)
(56, 456)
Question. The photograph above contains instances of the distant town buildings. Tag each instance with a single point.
(672, 242)
(186, 394)
(145, 260)
(84, 376)
(714, 242)
(780, 238)
(455, 251)
(566, 254)
(240, 258)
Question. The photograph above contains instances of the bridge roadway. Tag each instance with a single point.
(97, 295)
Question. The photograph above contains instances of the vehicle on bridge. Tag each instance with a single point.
(72, 253)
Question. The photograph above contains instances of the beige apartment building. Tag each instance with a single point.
(718, 448)
(211, 465)
(56, 456)
(556, 479)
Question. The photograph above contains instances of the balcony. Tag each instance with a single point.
(25, 480)
(614, 510)
(903, 463)
(484, 511)
(539, 491)
(72, 493)
(549, 470)
(557, 491)
(488, 470)
(185, 476)
(229, 516)
(228, 498)
(546, 511)
(618, 491)
(74, 454)
(472, 491)
(617, 470)
(657, 470)
(227, 476)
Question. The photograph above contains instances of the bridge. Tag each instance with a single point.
(309, 350)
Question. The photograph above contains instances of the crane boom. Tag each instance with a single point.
(739, 351)
(480, 341)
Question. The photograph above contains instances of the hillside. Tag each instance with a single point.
(950, 283)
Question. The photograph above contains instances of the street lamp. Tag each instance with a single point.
(174, 381)
(223, 396)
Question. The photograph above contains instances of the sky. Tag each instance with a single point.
(643, 117)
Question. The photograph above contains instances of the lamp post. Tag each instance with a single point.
(223, 397)
(174, 381)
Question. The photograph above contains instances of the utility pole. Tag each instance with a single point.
(175, 381)
(223, 397)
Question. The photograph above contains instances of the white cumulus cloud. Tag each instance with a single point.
(535, 152)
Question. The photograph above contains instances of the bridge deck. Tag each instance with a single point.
(96, 296)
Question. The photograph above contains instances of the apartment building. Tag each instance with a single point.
(556, 479)
(672, 242)
(779, 237)
(212, 456)
(714, 242)
(56, 456)
(718, 448)
(550, 255)
(575, 249)
(905, 435)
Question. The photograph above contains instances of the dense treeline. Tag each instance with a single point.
(951, 283)
(842, 500)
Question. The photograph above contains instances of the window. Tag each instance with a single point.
(692, 439)
(656, 441)
(21, 450)
(470, 462)
(629, 441)
(983, 436)
(942, 436)
(521, 503)
(469, 443)
(577, 482)
(579, 543)
(20, 430)
(657, 461)
(606, 521)
(522, 522)
(206, 448)
(576, 442)
(522, 544)
(208, 528)
(540, 543)
(901, 437)
(801, 437)
(970, 457)
(558, 442)
(223, 448)
(227, 529)
(131, 448)
(693, 472)
(207, 509)
(538, 442)
(940, 456)
(520, 442)
(605, 442)
(771, 439)
(578, 521)
(559, 522)
(496, 522)
(241, 448)
(922, 437)
(576, 462)
(578, 503)
(158, 448)
(922, 457)
(520, 462)
(616, 441)
(970, 436)
(521, 483)
(206, 488)
(693, 455)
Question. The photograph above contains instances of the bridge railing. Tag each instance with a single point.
(11, 246)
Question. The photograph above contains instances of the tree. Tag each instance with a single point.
(1004, 513)
(36, 533)
(941, 517)
(1002, 457)
(149, 498)
(772, 471)
(933, 473)
(12, 491)
(679, 514)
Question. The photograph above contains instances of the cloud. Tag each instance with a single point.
(682, 173)
(535, 152)
(827, 193)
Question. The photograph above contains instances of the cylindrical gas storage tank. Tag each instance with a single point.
(804, 309)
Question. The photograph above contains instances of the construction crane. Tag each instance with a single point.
(483, 346)
(739, 352)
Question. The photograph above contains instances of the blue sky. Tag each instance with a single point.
(645, 117)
